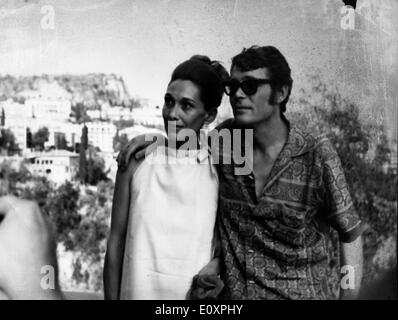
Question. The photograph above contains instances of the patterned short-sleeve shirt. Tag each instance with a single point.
(279, 246)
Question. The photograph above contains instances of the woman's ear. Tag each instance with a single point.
(211, 116)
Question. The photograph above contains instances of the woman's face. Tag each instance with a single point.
(183, 107)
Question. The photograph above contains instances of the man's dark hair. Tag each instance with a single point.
(271, 58)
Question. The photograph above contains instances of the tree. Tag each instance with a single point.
(63, 208)
(3, 118)
(134, 103)
(11, 178)
(95, 168)
(29, 138)
(374, 191)
(82, 154)
(40, 137)
(90, 237)
(119, 141)
(36, 188)
(79, 112)
(7, 141)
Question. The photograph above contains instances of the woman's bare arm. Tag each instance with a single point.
(116, 242)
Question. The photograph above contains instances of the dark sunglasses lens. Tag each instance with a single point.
(249, 87)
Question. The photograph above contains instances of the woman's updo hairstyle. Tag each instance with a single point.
(208, 75)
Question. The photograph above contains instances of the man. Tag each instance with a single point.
(274, 223)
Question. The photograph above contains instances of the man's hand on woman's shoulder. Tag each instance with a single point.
(138, 147)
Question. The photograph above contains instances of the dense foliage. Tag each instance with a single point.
(7, 142)
(366, 156)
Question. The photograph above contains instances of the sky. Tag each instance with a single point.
(143, 40)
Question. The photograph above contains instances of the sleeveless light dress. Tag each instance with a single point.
(171, 224)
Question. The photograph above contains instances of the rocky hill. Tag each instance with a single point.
(91, 89)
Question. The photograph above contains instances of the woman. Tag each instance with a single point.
(163, 215)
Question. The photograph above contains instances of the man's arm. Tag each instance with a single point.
(351, 261)
(116, 242)
(138, 147)
(343, 217)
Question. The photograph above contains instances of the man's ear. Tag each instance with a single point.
(282, 94)
(211, 116)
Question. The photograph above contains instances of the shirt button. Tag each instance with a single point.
(251, 281)
(250, 251)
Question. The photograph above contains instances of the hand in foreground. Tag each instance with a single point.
(138, 148)
(207, 285)
(28, 264)
(212, 268)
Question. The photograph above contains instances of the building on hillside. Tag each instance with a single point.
(107, 112)
(94, 114)
(48, 106)
(58, 131)
(119, 113)
(14, 110)
(57, 166)
(148, 116)
(50, 102)
(100, 134)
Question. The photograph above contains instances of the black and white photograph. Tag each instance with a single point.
(202, 150)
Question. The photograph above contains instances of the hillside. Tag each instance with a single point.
(90, 90)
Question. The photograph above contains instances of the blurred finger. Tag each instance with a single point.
(140, 154)
(132, 150)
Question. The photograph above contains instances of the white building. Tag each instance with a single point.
(14, 110)
(50, 102)
(119, 113)
(94, 114)
(107, 112)
(70, 131)
(148, 116)
(49, 106)
(101, 134)
(58, 165)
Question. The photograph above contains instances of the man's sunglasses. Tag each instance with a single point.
(248, 86)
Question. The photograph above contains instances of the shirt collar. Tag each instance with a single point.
(298, 142)
(203, 154)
